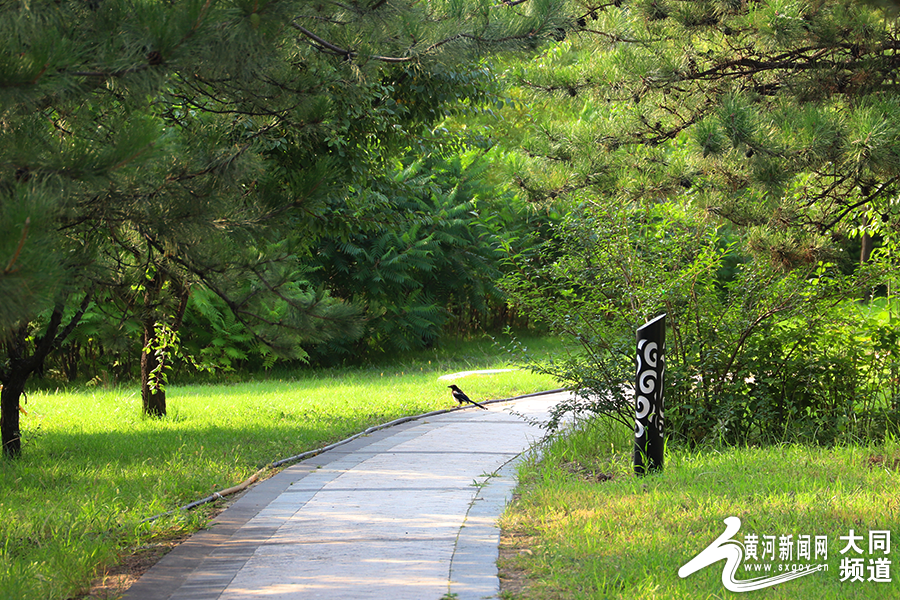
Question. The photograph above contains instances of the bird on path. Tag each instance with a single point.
(461, 398)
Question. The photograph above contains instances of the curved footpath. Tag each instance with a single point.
(408, 512)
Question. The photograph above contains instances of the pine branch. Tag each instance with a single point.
(128, 159)
(9, 267)
(348, 54)
(73, 322)
(213, 167)
(614, 37)
(850, 208)
(341, 51)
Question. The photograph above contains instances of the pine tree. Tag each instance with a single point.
(772, 125)
(780, 116)
(147, 148)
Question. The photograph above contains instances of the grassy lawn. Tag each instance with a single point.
(93, 467)
(583, 526)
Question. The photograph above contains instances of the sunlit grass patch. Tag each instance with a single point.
(93, 468)
(626, 537)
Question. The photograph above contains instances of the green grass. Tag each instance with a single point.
(93, 467)
(627, 537)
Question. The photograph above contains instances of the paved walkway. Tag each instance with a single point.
(408, 512)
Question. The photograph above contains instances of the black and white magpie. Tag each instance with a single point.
(461, 398)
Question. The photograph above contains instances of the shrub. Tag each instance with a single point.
(756, 352)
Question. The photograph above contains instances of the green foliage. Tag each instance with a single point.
(754, 355)
(29, 277)
(769, 114)
(163, 345)
(157, 148)
(433, 266)
(830, 379)
(216, 336)
(718, 160)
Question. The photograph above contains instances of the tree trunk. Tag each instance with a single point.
(70, 360)
(22, 359)
(12, 389)
(865, 252)
(153, 397)
(154, 400)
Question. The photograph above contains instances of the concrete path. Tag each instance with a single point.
(408, 512)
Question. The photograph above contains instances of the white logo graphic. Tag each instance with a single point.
(732, 552)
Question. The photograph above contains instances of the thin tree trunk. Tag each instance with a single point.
(10, 393)
(153, 397)
(865, 254)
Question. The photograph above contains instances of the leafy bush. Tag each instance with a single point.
(755, 353)
(432, 268)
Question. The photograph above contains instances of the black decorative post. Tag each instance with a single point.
(649, 438)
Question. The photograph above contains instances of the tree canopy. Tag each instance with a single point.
(149, 147)
(297, 173)
(766, 113)
(719, 161)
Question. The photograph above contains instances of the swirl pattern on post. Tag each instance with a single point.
(649, 442)
(650, 369)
